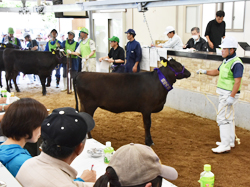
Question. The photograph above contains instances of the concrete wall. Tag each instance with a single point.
(196, 103)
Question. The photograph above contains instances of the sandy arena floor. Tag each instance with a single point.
(182, 140)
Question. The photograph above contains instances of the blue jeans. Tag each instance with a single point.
(58, 71)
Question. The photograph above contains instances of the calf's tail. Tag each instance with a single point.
(74, 86)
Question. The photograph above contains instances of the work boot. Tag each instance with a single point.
(57, 82)
(232, 135)
(225, 139)
(64, 84)
(48, 81)
(232, 145)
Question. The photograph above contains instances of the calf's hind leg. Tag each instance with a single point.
(14, 79)
(8, 78)
(90, 109)
(147, 126)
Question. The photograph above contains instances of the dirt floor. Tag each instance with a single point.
(182, 140)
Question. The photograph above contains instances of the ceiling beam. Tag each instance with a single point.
(111, 5)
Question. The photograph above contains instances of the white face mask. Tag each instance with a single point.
(195, 37)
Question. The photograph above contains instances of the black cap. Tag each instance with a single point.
(66, 127)
(130, 31)
(54, 30)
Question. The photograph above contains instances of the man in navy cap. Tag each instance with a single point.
(133, 53)
(63, 133)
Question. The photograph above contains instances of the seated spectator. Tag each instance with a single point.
(21, 124)
(135, 165)
(174, 41)
(63, 133)
(196, 42)
(115, 56)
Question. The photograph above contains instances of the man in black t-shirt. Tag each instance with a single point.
(115, 56)
(215, 31)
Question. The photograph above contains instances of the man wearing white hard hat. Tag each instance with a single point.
(228, 87)
(174, 41)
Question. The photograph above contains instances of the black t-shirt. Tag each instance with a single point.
(32, 44)
(215, 31)
(117, 54)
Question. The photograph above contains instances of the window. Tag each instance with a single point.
(234, 15)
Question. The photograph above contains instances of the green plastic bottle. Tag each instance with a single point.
(108, 152)
(207, 177)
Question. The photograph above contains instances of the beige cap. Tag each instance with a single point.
(137, 164)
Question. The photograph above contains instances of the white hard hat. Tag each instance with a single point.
(229, 42)
(169, 29)
(26, 34)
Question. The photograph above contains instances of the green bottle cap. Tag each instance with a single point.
(207, 167)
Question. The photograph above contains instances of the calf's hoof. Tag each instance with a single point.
(18, 90)
(149, 142)
(44, 93)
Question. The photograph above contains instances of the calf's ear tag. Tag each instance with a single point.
(164, 63)
(53, 52)
(4, 46)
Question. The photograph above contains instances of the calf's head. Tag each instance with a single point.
(59, 54)
(177, 68)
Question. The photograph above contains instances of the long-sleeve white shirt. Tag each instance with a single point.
(174, 43)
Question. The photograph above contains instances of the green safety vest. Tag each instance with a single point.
(71, 47)
(226, 77)
(15, 41)
(85, 50)
(52, 46)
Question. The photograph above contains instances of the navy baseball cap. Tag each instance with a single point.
(66, 127)
(130, 31)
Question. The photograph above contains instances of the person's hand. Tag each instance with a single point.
(152, 45)
(184, 46)
(149, 184)
(230, 100)
(68, 51)
(87, 57)
(211, 45)
(134, 69)
(201, 71)
(100, 59)
(3, 100)
(110, 60)
(88, 176)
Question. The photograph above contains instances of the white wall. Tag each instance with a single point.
(158, 19)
